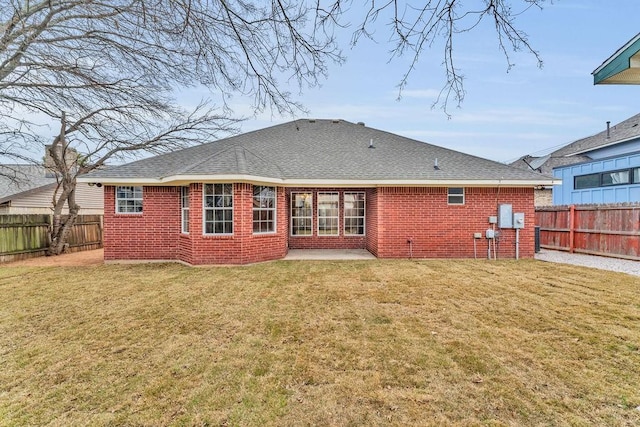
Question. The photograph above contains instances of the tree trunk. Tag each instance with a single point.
(62, 224)
(66, 172)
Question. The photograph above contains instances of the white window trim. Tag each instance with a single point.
(337, 234)
(274, 209)
(291, 217)
(118, 212)
(184, 210)
(205, 208)
(364, 216)
(464, 198)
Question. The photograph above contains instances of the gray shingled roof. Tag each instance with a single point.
(309, 149)
(18, 180)
(574, 152)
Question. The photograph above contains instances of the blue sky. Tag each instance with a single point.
(505, 114)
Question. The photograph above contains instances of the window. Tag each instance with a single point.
(218, 208)
(586, 181)
(301, 214)
(129, 200)
(615, 178)
(328, 214)
(264, 209)
(606, 179)
(455, 196)
(354, 214)
(184, 209)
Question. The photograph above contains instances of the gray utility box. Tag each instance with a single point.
(505, 216)
(518, 220)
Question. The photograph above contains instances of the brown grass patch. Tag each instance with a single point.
(320, 343)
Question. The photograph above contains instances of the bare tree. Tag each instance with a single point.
(105, 71)
(114, 132)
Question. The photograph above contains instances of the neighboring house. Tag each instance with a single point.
(28, 189)
(623, 67)
(326, 184)
(601, 168)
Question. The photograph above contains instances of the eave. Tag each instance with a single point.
(623, 67)
(599, 147)
(342, 183)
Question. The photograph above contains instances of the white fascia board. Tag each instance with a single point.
(186, 179)
(119, 181)
(615, 55)
(179, 180)
(620, 141)
(420, 183)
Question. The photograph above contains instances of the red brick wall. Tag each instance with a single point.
(327, 242)
(152, 235)
(439, 230)
(372, 221)
(393, 217)
(156, 233)
(243, 247)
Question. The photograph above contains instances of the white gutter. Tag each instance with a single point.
(185, 179)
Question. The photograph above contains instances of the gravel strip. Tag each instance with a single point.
(601, 262)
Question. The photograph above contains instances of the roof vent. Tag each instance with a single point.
(435, 165)
(361, 123)
(312, 120)
(608, 129)
(371, 143)
(335, 121)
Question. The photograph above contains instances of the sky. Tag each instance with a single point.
(506, 114)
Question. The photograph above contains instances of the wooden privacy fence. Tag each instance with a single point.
(27, 236)
(609, 230)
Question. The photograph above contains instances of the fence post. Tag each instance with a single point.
(572, 223)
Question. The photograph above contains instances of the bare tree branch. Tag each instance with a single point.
(417, 28)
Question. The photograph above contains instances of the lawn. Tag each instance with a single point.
(320, 343)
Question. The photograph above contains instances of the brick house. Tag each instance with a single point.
(313, 184)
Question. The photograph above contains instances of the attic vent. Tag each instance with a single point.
(312, 120)
(371, 143)
(361, 123)
(335, 121)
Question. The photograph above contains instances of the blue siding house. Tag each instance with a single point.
(612, 180)
(602, 168)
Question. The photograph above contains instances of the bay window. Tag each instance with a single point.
(218, 208)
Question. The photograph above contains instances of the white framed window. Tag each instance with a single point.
(354, 213)
(264, 209)
(301, 214)
(129, 199)
(455, 196)
(218, 208)
(184, 209)
(328, 214)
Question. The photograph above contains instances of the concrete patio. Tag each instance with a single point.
(328, 254)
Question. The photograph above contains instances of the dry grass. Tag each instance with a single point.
(320, 343)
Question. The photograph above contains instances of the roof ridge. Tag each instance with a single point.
(264, 160)
(241, 160)
(208, 158)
